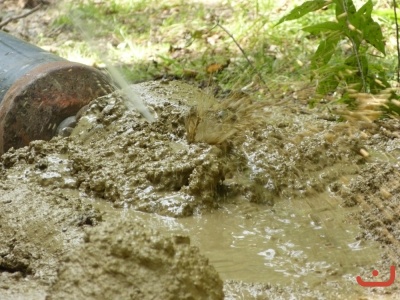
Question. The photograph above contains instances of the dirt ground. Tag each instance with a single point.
(57, 243)
(58, 239)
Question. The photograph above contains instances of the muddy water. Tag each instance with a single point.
(309, 243)
(289, 244)
(273, 196)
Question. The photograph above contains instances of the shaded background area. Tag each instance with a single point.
(198, 41)
(176, 39)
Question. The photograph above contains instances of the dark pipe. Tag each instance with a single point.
(39, 89)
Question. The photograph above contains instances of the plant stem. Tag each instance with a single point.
(244, 53)
(355, 50)
(397, 40)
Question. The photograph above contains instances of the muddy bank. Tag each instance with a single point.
(201, 155)
(256, 154)
(376, 191)
(56, 246)
(117, 261)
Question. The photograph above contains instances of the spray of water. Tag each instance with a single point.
(132, 98)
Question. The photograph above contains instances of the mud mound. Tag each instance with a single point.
(376, 188)
(115, 155)
(31, 220)
(376, 191)
(119, 259)
(37, 226)
(46, 246)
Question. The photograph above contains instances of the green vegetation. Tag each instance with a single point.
(171, 39)
(340, 48)
(354, 27)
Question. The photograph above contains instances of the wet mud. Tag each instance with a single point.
(294, 194)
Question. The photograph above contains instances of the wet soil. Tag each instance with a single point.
(285, 202)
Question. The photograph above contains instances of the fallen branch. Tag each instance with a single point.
(17, 17)
(243, 52)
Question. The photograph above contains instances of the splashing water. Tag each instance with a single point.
(132, 98)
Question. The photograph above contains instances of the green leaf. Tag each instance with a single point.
(344, 6)
(345, 12)
(305, 8)
(371, 30)
(373, 35)
(326, 26)
(324, 52)
(366, 9)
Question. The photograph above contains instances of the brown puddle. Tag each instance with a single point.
(303, 242)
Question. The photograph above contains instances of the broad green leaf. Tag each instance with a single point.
(371, 31)
(345, 11)
(344, 7)
(366, 9)
(324, 52)
(326, 26)
(305, 8)
(373, 35)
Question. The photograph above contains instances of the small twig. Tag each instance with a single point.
(13, 18)
(397, 40)
(243, 52)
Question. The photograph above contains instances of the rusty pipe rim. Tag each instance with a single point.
(38, 101)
